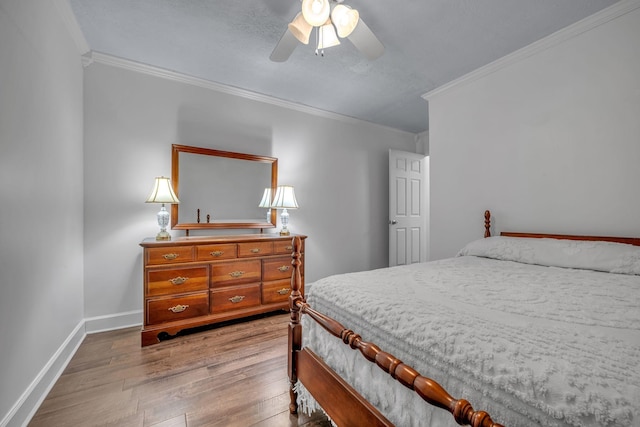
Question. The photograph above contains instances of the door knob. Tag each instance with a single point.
(393, 222)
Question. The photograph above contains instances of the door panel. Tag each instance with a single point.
(408, 192)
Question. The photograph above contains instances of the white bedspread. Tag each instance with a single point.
(532, 345)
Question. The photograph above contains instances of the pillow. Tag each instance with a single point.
(588, 255)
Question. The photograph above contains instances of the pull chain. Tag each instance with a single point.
(318, 42)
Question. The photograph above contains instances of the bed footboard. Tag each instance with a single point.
(346, 406)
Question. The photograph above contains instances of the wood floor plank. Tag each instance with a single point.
(233, 374)
(284, 418)
(111, 409)
(58, 402)
(214, 397)
(249, 412)
(179, 421)
(236, 408)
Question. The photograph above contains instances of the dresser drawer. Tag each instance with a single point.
(167, 309)
(177, 280)
(194, 281)
(254, 249)
(235, 272)
(276, 291)
(169, 255)
(283, 247)
(227, 299)
(214, 252)
(277, 268)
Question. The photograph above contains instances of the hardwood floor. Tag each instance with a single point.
(230, 375)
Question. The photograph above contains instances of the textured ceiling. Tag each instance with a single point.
(427, 44)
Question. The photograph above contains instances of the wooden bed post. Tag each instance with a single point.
(487, 224)
(295, 328)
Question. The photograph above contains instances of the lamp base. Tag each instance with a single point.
(163, 221)
(163, 235)
(284, 219)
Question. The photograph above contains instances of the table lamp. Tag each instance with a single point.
(162, 192)
(284, 199)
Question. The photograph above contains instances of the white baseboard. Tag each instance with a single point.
(27, 405)
(112, 322)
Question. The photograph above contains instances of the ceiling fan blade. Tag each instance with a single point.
(285, 47)
(366, 42)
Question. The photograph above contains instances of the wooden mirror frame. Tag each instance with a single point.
(176, 149)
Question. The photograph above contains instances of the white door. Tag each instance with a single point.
(408, 207)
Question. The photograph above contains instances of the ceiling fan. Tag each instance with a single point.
(330, 23)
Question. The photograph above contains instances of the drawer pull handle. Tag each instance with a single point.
(255, 250)
(236, 299)
(170, 257)
(289, 248)
(178, 308)
(178, 280)
(283, 291)
(284, 268)
(236, 274)
(216, 253)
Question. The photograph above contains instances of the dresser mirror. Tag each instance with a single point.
(220, 189)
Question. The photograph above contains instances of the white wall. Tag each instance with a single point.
(66, 265)
(548, 143)
(41, 292)
(339, 169)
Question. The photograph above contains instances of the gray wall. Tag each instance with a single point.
(549, 139)
(339, 169)
(78, 153)
(41, 289)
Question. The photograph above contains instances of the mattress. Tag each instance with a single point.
(549, 345)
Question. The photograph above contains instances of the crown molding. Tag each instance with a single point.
(69, 19)
(87, 59)
(114, 61)
(608, 14)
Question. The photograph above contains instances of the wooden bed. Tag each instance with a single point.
(342, 403)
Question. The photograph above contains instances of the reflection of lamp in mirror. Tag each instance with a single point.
(266, 202)
(284, 199)
(162, 192)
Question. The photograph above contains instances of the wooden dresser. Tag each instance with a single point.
(195, 281)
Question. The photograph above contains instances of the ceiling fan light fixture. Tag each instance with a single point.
(316, 12)
(327, 36)
(300, 28)
(345, 19)
(327, 19)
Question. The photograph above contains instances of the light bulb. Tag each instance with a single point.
(345, 19)
(316, 12)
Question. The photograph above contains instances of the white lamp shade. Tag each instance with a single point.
(345, 19)
(316, 12)
(266, 199)
(285, 198)
(300, 28)
(327, 36)
(162, 192)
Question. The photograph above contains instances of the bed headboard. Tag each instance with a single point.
(628, 240)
